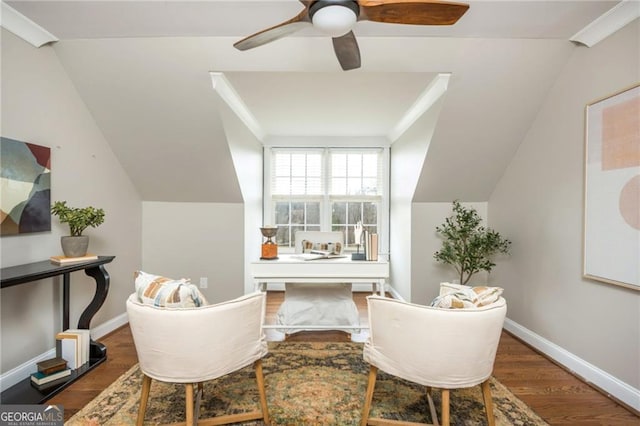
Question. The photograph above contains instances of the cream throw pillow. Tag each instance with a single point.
(166, 292)
(457, 296)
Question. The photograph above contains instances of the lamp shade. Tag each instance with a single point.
(334, 20)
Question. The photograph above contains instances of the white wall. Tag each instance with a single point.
(194, 240)
(407, 159)
(538, 204)
(246, 151)
(40, 105)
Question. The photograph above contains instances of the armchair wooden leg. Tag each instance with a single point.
(144, 397)
(445, 407)
(373, 372)
(488, 402)
(199, 393)
(188, 400)
(263, 413)
(263, 394)
(432, 407)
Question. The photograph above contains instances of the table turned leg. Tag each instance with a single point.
(101, 276)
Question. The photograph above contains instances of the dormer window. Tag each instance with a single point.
(326, 189)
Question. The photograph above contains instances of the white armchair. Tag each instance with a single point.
(195, 345)
(434, 347)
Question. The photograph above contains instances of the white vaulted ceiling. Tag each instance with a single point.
(142, 68)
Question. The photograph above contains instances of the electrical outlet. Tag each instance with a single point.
(204, 282)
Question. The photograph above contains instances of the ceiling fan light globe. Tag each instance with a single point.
(335, 21)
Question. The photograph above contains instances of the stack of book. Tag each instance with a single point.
(371, 246)
(51, 372)
(74, 347)
(64, 260)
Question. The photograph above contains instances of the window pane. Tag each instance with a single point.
(354, 186)
(281, 186)
(336, 228)
(313, 213)
(297, 213)
(369, 186)
(313, 228)
(370, 216)
(354, 164)
(338, 165)
(314, 186)
(282, 236)
(282, 213)
(282, 164)
(339, 213)
(370, 165)
(355, 213)
(350, 236)
(298, 164)
(339, 186)
(298, 186)
(297, 173)
(314, 165)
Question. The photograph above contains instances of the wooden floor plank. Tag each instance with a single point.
(553, 393)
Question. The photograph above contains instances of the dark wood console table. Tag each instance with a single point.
(23, 392)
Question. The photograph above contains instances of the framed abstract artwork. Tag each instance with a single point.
(612, 189)
(25, 187)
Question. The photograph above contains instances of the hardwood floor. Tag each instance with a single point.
(553, 393)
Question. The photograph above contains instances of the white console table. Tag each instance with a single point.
(338, 270)
(289, 269)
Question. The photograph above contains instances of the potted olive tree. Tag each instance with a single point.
(78, 219)
(466, 244)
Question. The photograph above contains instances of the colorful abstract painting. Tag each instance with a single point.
(612, 189)
(25, 187)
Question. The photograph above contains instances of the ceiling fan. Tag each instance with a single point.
(337, 18)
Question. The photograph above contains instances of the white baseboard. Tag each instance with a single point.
(591, 374)
(107, 327)
(389, 289)
(18, 373)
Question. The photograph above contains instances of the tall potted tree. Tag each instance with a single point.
(79, 219)
(466, 244)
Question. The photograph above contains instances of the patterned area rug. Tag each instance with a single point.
(314, 383)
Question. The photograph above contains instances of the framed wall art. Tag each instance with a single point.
(612, 189)
(25, 187)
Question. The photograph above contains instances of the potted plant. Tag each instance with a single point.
(79, 219)
(467, 245)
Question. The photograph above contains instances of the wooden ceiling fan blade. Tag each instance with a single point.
(413, 12)
(347, 51)
(276, 32)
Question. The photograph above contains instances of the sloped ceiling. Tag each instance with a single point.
(142, 69)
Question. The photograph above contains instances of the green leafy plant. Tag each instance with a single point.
(467, 245)
(78, 219)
